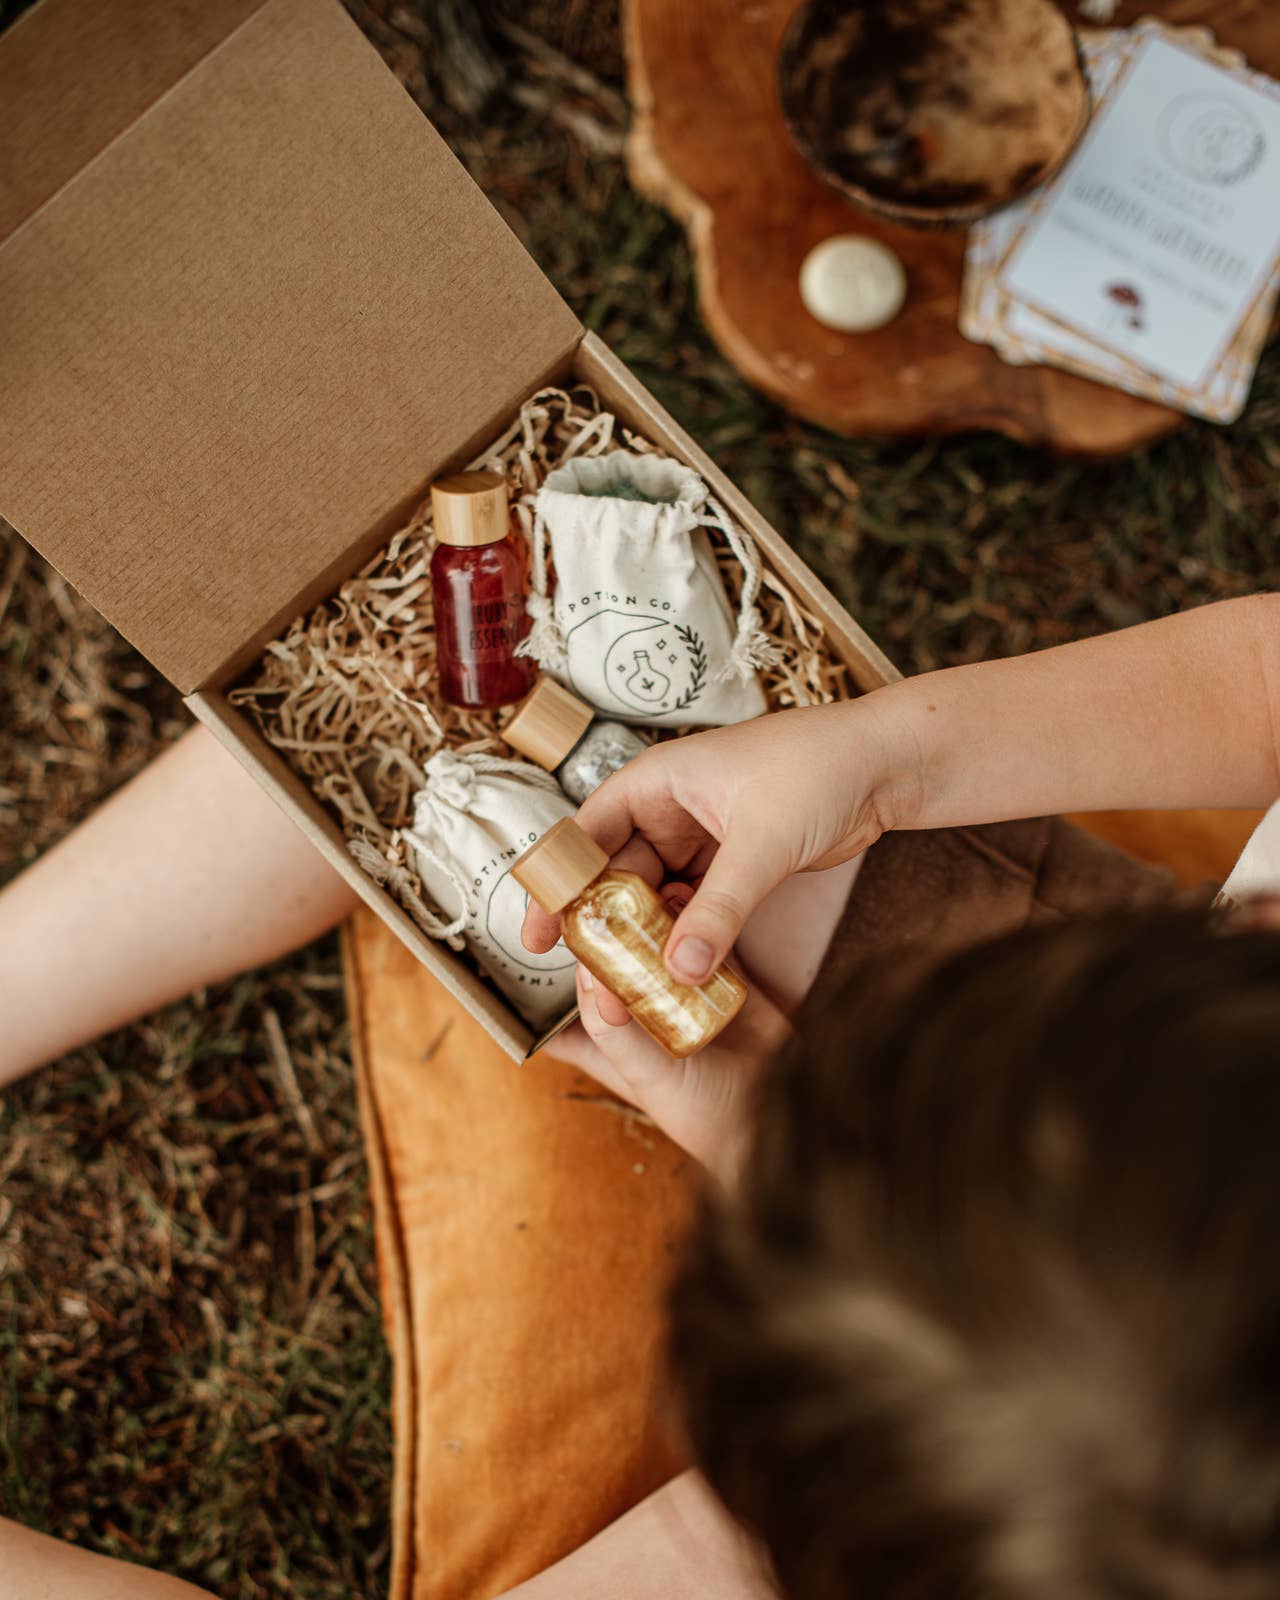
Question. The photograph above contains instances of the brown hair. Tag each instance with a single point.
(996, 1311)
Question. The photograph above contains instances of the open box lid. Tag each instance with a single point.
(249, 305)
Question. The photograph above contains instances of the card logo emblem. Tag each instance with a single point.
(1211, 139)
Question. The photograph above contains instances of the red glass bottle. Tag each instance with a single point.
(479, 572)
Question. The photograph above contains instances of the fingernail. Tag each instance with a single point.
(691, 960)
(586, 980)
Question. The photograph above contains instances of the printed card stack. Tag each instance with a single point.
(1152, 262)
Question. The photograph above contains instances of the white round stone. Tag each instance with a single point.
(852, 283)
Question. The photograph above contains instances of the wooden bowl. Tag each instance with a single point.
(933, 111)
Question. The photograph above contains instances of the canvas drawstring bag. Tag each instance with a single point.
(639, 625)
(474, 817)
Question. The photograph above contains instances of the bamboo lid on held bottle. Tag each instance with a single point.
(470, 508)
(548, 723)
(556, 869)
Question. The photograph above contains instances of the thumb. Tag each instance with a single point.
(738, 879)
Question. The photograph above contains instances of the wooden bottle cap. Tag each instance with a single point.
(560, 865)
(470, 508)
(548, 723)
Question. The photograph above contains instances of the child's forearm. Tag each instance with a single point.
(1184, 712)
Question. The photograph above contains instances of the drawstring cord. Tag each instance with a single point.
(752, 646)
(545, 639)
(393, 875)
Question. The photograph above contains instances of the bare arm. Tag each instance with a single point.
(1183, 712)
(187, 876)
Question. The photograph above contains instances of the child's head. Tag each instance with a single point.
(997, 1311)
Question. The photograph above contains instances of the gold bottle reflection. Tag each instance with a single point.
(617, 926)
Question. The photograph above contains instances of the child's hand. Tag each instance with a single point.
(742, 808)
(703, 1103)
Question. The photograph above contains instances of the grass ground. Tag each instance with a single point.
(191, 1366)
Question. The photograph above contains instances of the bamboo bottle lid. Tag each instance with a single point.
(470, 508)
(547, 725)
(560, 866)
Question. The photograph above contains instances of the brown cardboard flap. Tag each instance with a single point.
(244, 337)
(75, 73)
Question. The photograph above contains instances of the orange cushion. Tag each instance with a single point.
(1197, 846)
(527, 1223)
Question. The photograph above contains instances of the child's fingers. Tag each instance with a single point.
(740, 875)
(539, 930)
(579, 1044)
(677, 895)
(612, 1012)
(639, 856)
(636, 1062)
(575, 1046)
(602, 1013)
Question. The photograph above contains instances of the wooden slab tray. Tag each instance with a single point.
(708, 143)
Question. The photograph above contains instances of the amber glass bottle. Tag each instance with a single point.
(478, 579)
(617, 927)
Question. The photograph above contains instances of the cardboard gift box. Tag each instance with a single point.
(250, 305)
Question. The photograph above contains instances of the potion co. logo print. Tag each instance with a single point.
(636, 665)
